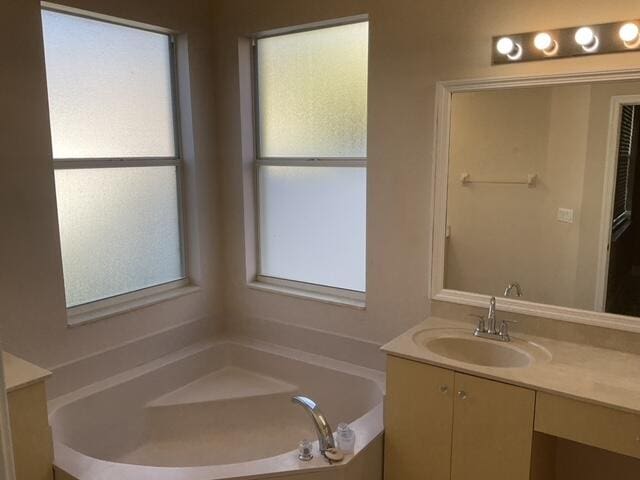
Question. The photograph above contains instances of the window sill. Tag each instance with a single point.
(331, 299)
(100, 312)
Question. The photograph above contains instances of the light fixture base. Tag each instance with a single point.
(606, 40)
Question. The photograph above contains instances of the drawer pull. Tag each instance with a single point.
(444, 389)
(462, 395)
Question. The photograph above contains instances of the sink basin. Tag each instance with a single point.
(481, 353)
(462, 346)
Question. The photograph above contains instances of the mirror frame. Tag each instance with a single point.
(444, 92)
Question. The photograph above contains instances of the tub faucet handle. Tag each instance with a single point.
(305, 450)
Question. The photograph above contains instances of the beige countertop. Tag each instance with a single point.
(19, 373)
(597, 375)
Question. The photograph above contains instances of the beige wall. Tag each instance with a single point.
(498, 135)
(502, 233)
(592, 188)
(413, 44)
(32, 306)
(564, 177)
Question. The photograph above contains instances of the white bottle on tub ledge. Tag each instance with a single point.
(345, 439)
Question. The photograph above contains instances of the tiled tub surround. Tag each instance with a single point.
(217, 410)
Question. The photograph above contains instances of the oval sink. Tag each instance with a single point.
(464, 347)
(480, 353)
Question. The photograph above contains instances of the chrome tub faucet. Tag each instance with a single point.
(320, 422)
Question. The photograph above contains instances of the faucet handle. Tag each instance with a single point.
(504, 329)
(481, 328)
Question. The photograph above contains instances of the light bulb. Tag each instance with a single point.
(629, 33)
(508, 47)
(505, 46)
(584, 36)
(586, 39)
(545, 43)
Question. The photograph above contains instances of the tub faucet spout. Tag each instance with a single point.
(323, 429)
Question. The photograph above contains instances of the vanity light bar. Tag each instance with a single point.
(578, 41)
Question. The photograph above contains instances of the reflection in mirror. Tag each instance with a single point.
(541, 192)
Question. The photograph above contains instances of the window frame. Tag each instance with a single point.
(115, 304)
(335, 295)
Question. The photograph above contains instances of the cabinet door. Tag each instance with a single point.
(492, 430)
(418, 416)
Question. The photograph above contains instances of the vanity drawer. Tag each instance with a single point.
(593, 425)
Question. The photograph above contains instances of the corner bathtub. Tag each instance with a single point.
(218, 410)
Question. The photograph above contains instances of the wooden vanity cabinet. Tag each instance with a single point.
(492, 430)
(418, 419)
(442, 425)
(28, 418)
(30, 433)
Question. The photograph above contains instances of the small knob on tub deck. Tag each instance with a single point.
(304, 451)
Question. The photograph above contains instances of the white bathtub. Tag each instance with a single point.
(218, 410)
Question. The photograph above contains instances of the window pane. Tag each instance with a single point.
(312, 225)
(109, 89)
(119, 230)
(313, 93)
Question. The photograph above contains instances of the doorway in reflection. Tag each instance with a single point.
(623, 276)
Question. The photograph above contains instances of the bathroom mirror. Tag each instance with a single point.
(536, 184)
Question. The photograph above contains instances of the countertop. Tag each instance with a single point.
(596, 375)
(19, 373)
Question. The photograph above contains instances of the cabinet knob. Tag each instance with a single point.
(444, 388)
(462, 395)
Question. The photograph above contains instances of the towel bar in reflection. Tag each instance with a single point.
(531, 180)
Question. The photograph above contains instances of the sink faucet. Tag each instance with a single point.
(491, 316)
(511, 286)
(489, 329)
(325, 434)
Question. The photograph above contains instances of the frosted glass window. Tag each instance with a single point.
(109, 89)
(313, 93)
(313, 224)
(111, 98)
(119, 229)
